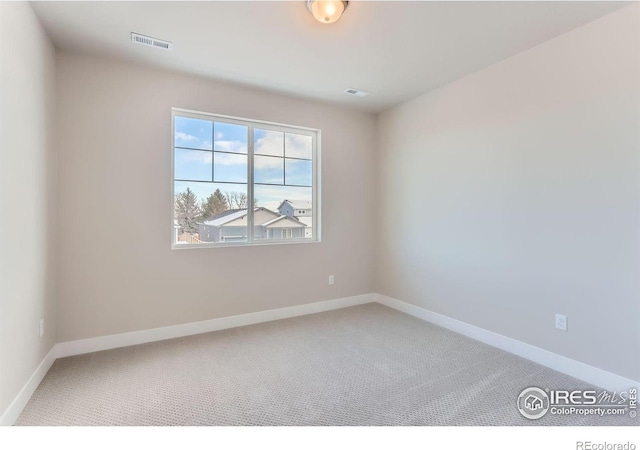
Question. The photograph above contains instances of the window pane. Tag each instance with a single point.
(192, 165)
(298, 172)
(193, 133)
(298, 146)
(230, 137)
(211, 163)
(268, 142)
(209, 212)
(284, 212)
(267, 169)
(230, 168)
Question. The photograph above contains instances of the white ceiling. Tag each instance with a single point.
(396, 50)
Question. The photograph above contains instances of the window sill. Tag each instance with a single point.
(243, 244)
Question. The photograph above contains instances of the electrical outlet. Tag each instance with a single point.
(331, 279)
(561, 322)
(41, 327)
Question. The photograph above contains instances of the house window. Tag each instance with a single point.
(221, 165)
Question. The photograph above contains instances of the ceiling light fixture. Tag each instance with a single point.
(326, 11)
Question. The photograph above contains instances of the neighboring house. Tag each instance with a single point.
(231, 225)
(301, 210)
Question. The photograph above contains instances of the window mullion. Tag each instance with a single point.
(250, 208)
(213, 152)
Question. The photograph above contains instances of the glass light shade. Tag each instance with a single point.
(326, 11)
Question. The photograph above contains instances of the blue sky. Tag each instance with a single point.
(193, 133)
(273, 161)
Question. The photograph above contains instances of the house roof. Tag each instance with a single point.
(220, 219)
(308, 221)
(275, 222)
(231, 215)
(297, 204)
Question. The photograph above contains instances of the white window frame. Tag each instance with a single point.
(251, 124)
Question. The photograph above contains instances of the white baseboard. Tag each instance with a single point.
(593, 375)
(12, 412)
(71, 348)
(79, 347)
(576, 369)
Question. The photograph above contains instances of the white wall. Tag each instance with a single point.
(117, 271)
(27, 196)
(514, 193)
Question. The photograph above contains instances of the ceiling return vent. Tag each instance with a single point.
(151, 42)
(357, 92)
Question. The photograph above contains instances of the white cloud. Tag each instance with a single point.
(267, 163)
(299, 146)
(195, 156)
(227, 159)
(186, 137)
(230, 159)
(272, 143)
(295, 145)
(236, 159)
(231, 146)
(188, 140)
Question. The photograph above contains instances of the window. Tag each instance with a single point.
(221, 165)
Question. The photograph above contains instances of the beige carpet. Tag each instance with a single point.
(365, 365)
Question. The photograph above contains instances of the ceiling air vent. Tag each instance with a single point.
(151, 42)
(357, 92)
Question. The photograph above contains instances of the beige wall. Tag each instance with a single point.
(27, 196)
(117, 270)
(498, 200)
(514, 193)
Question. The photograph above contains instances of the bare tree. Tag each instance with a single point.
(238, 200)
